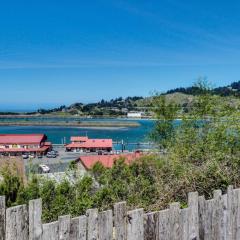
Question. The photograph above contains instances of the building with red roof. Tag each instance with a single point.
(83, 144)
(17, 144)
(106, 160)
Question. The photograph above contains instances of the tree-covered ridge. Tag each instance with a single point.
(118, 106)
(231, 90)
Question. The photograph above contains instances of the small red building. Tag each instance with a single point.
(18, 144)
(84, 144)
(106, 160)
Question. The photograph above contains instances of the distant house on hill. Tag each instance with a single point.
(135, 115)
(84, 144)
(18, 144)
(87, 162)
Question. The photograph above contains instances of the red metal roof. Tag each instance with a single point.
(22, 138)
(79, 139)
(107, 160)
(92, 143)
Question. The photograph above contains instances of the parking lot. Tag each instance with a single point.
(58, 164)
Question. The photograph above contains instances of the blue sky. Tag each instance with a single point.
(60, 52)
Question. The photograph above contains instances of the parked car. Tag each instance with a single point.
(51, 155)
(25, 156)
(43, 169)
(54, 152)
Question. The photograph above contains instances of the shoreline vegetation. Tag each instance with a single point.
(73, 124)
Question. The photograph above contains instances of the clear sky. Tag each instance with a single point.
(59, 52)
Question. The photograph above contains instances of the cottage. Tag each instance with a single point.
(87, 162)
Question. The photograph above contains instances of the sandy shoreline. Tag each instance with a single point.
(85, 124)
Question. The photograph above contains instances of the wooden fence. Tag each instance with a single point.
(217, 218)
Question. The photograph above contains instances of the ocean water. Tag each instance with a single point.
(59, 135)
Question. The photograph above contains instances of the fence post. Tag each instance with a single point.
(51, 231)
(92, 224)
(135, 225)
(17, 223)
(2, 217)
(150, 226)
(35, 219)
(105, 225)
(64, 227)
(193, 211)
(120, 221)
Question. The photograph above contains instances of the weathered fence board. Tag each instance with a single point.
(2, 217)
(74, 229)
(17, 223)
(230, 214)
(150, 226)
(51, 231)
(210, 204)
(201, 216)
(92, 224)
(224, 220)
(237, 214)
(120, 221)
(105, 225)
(82, 228)
(135, 225)
(175, 221)
(64, 227)
(78, 228)
(193, 215)
(218, 215)
(35, 222)
(185, 218)
(163, 223)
